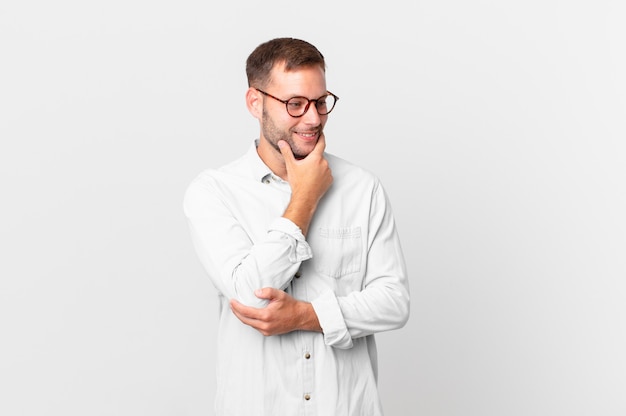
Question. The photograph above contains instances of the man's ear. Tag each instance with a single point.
(254, 102)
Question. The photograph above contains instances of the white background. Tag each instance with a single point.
(497, 127)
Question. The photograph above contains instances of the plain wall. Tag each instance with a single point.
(497, 128)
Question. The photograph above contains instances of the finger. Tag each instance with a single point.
(245, 319)
(285, 150)
(320, 146)
(249, 316)
(235, 307)
(242, 310)
(269, 293)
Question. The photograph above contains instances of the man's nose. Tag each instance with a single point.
(311, 115)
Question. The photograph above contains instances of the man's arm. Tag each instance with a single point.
(237, 257)
(309, 179)
(382, 305)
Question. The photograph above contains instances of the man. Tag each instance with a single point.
(303, 250)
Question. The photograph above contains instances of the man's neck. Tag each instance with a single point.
(272, 158)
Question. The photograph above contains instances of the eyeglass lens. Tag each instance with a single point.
(297, 106)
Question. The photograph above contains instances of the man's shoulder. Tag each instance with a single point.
(216, 184)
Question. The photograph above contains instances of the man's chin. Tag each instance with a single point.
(303, 151)
(300, 154)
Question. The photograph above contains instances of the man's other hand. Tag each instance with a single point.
(283, 313)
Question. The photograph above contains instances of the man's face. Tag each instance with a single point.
(303, 132)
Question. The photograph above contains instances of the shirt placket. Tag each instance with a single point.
(307, 359)
(308, 377)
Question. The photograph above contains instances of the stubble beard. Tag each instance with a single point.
(273, 135)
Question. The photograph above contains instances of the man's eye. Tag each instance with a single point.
(295, 104)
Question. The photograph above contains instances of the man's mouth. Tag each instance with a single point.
(307, 135)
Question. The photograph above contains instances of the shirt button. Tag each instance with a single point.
(307, 397)
(298, 274)
(307, 355)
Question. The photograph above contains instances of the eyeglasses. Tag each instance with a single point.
(298, 106)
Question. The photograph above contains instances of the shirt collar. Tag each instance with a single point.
(260, 171)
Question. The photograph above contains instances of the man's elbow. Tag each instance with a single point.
(403, 309)
(247, 298)
(405, 313)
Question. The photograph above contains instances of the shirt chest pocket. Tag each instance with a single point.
(338, 251)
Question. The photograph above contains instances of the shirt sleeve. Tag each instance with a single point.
(383, 303)
(236, 265)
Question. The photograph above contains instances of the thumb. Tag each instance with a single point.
(320, 146)
(265, 293)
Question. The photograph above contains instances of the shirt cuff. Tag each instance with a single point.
(302, 251)
(331, 320)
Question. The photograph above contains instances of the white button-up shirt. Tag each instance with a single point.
(350, 267)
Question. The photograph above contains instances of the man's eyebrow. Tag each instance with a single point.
(304, 96)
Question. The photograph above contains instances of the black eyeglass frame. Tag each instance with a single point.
(308, 104)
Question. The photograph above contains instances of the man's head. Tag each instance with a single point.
(278, 71)
(292, 53)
